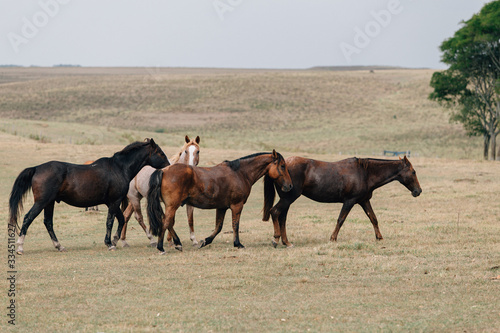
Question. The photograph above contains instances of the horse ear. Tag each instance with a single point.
(275, 155)
(187, 139)
(152, 142)
(197, 140)
(406, 160)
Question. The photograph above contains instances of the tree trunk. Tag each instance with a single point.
(493, 146)
(486, 150)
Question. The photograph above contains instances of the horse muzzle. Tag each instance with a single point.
(416, 192)
(287, 188)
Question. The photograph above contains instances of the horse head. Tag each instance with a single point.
(278, 172)
(190, 153)
(408, 177)
(157, 158)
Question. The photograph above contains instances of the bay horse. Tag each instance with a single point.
(221, 187)
(139, 187)
(105, 181)
(350, 181)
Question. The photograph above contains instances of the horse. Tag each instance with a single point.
(105, 181)
(139, 187)
(221, 187)
(350, 181)
(93, 208)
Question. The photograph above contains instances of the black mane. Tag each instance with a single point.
(235, 164)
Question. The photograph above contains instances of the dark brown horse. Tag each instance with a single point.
(351, 181)
(106, 181)
(222, 187)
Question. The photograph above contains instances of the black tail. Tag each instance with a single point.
(155, 212)
(19, 190)
(124, 204)
(269, 195)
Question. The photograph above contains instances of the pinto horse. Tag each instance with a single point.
(105, 181)
(221, 187)
(139, 187)
(350, 181)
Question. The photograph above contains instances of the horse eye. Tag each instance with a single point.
(186, 151)
(414, 173)
(198, 152)
(282, 167)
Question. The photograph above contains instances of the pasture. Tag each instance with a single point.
(437, 269)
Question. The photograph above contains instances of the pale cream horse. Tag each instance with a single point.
(139, 187)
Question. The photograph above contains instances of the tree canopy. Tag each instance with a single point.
(470, 86)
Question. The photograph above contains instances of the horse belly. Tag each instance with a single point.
(327, 195)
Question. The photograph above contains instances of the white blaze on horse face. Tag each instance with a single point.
(192, 151)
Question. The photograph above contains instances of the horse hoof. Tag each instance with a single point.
(275, 243)
(178, 247)
(195, 243)
(240, 246)
(152, 244)
(289, 246)
(125, 244)
(62, 249)
(20, 252)
(202, 244)
(112, 248)
(161, 253)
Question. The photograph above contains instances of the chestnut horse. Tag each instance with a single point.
(105, 181)
(350, 181)
(139, 187)
(226, 185)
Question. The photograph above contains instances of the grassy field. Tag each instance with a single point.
(437, 269)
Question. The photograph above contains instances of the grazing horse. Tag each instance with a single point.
(350, 181)
(139, 187)
(105, 181)
(221, 187)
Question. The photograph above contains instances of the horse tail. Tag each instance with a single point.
(155, 212)
(21, 186)
(124, 204)
(269, 195)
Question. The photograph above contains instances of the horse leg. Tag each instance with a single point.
(346, 208)
(127, 213)
(282, 221)
(35, 210)
(109, 226)
(168, 224)
(190, 217)
(139, 217)
(278, 214)
(219, 221)
(236, 214)
(367, 207)
(48, 215)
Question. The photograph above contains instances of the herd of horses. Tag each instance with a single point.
(142, 169)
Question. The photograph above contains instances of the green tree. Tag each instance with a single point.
(469, 87)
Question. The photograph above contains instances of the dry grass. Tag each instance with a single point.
(432, 272)
(299, 111)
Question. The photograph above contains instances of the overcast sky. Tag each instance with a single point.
(229, 33)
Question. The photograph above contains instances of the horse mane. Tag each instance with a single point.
(235, 164)
(131, 147)
(366, 162)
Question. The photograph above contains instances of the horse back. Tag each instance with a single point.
(329, 181)
(77, 184)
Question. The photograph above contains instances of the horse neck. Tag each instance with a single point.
(381, 172)
(131, 162)
(256, 167)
